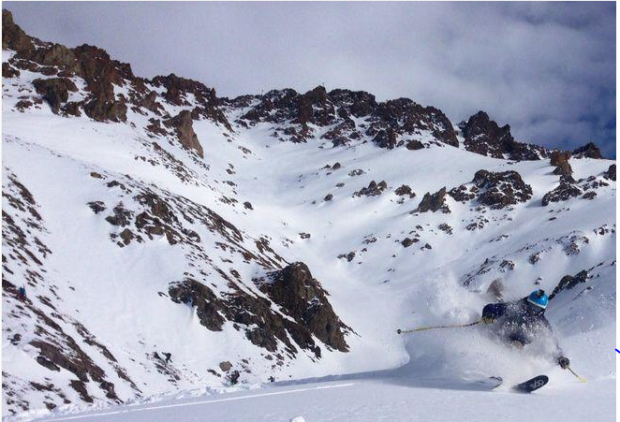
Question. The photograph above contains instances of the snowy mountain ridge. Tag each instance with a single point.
(171, 240)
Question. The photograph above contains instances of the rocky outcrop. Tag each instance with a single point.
(496, 190)
(205, 102)
(610, 174)
(299, 296)
(559, 159)
(434, 202)
(403, 117)
(389, 124)
(484, 136)
(101, 75)
(302, 297)
(183, 125)
(55, 91)
(568, 282)
(373, 189)
(405, 190)
(589, 150)
(563, 192)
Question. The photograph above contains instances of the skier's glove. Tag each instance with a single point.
(487, 319)
(563, 362)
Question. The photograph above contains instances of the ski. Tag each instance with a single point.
(491, 383)
(532, 384)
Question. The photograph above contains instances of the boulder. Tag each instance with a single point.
(563, 192)
(183, 125)
(302, 297)
(434, 202)
(589, 150)
(55, 91)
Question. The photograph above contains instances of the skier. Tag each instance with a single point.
(21, 294)
(522, 321)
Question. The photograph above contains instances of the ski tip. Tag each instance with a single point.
(532, 385)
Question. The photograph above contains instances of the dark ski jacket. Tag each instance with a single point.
(519, 321)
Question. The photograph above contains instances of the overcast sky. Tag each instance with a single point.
(547, 69)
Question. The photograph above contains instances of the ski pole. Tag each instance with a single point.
(578, 377)
(399, 331)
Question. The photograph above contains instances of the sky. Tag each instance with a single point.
(547, 69)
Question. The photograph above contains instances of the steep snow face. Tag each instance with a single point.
(131, 246)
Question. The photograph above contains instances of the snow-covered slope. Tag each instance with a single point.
(147, 217)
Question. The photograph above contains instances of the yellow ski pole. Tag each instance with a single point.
(578, 377)
(399, 331)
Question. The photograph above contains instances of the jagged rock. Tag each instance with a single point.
(248, 205)
(565, 170)
(328, 197)
(414, 145)
(408, 242)
(55, 91)
(373, 189)
(498, 190)
(97, 206)
(385, 139)
(177, 90)
(299, 296)
(303, 298)
(563, 167)
(13, 37)
(484, 136)
(9, 71)
(434, 202)
(559, 157)
(314, 107)
(589, 150)
(589, 195)
(568, 282)
(356, 103)
(444, 227)
(348, 256)
(610, 174)
(405, 190)
(494, 189)
(150, 103)
(183, 125)
(563, 192)
(403, 116)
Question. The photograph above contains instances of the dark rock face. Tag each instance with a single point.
(373, 189)
(434, 202)
(557, 158)
(563, 167)
(13, 37)
(303, 298)
(405, 117)
(298, 294)
(563, 192)
(589, 150)
(55, 91)
(386, 122)
(496, 190)
(405, 190)
(610, 174)
(178, 89)
(9, 71)
(484, 136)
(568, 282)
(183, 125)
(101, 75)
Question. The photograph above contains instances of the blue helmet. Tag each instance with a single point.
(538, 298)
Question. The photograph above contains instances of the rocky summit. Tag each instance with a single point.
(160, 239)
